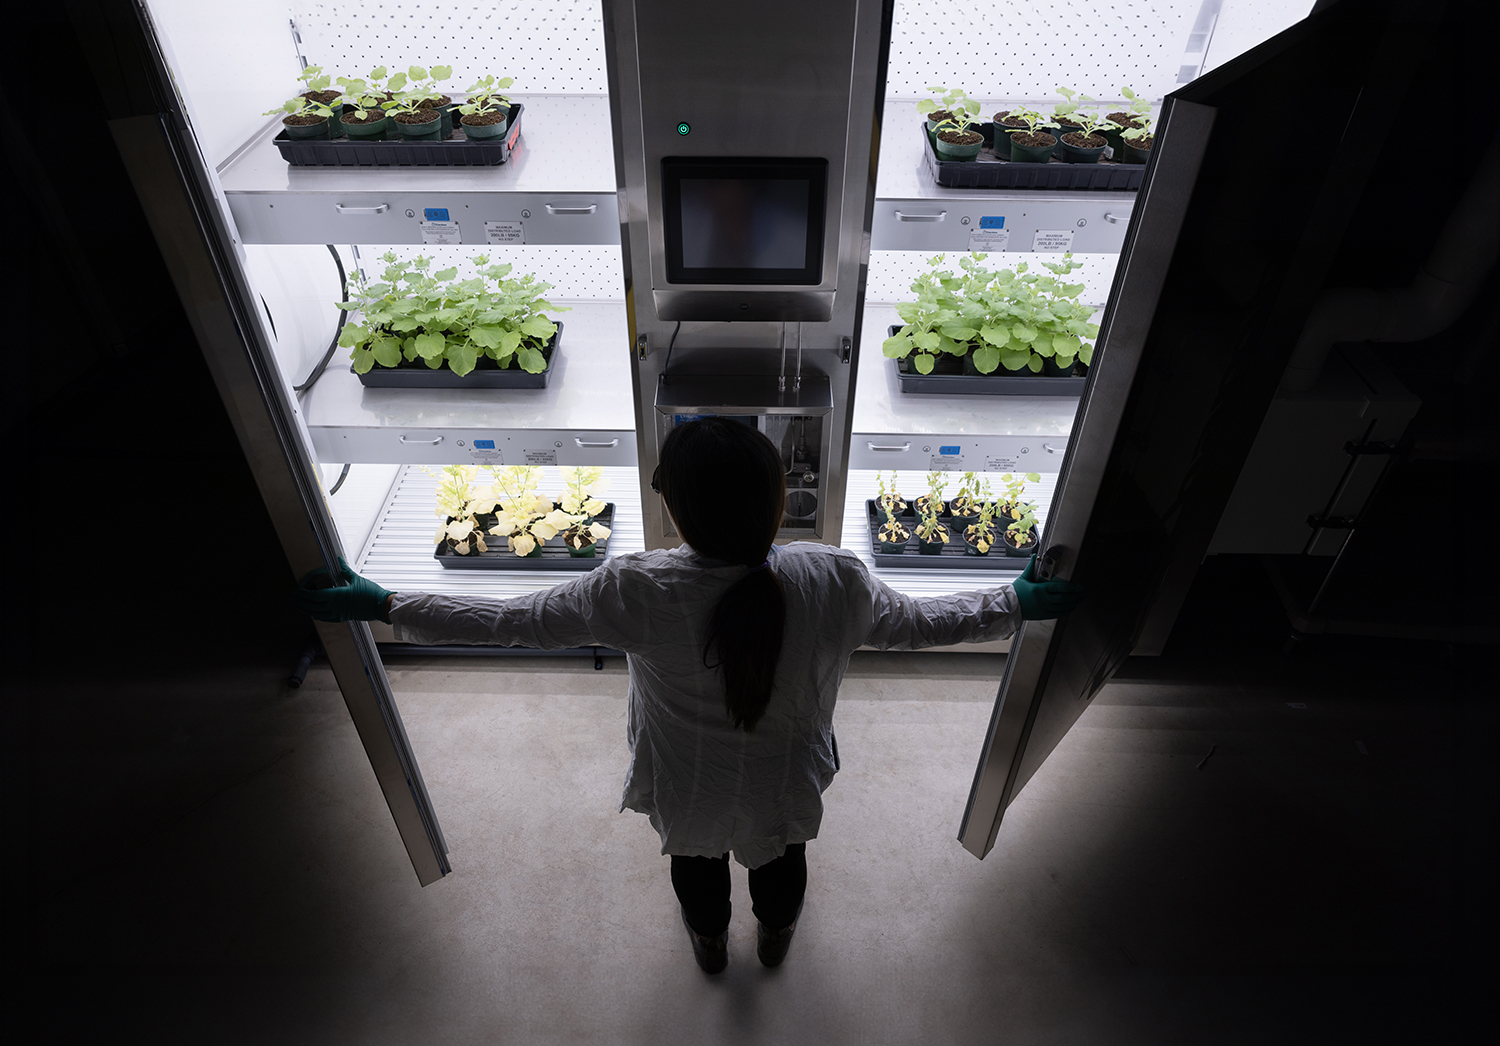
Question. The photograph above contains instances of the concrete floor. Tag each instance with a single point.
(239, 878)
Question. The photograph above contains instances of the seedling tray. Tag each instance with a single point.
(416, 375)
(912, 381)
(988, 171)
(953, 557)
(456, 151)
(555, 554)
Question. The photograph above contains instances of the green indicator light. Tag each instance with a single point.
(683, 128)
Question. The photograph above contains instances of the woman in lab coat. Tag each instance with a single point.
(736, 648)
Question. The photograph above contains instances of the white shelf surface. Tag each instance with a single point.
(914, 213)
(563, 157)
(398, 551)
(588, 400)
(1029, 432)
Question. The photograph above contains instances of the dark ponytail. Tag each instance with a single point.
(725, 486)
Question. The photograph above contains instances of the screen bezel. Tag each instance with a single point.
(812, 171)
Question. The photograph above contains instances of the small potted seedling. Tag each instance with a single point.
(580, 484)
(931, 534)
(932, 502)
(415, 121)
(1138, 141)
(304, 117)
(1065, 114)
(893, 537)
(979, 536)
(1015, 488)
(965, 505)
(1034, 144)
(1086, 144)
(1020, 537)
(487, 112)
(1004, 123)
(317, 86)
(888, 502)
(363, 118)
(941, 110)
(525, 519)
(958, 137)
(461, 504)
(425, 82)
(1123, 120)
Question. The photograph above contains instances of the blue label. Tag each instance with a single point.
(949, 451)
(992, 223)
(484, 444)
(436, 214)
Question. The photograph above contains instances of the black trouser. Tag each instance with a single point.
(776, 889)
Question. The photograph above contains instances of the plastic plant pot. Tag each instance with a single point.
(894, 548)
(955, 151)
(930, 548)
(306, 130)
(920, 504)
(1031, 153)
(1024, 550)
(1134, 155)
(1058, 132)
(586, 552)
(1112, 136)
(930, 125)
(475, 132)
(1002, 129)
(373, 131)
(969, 547)
(1070, 153)
(427, 130)
(1052, 369)
(883, 508)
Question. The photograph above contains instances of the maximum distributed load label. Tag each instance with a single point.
(1052, 241)
(504, 232)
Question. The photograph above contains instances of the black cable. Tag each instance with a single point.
(269, 318)
(339, 482)
(343, 318)
(665, 379)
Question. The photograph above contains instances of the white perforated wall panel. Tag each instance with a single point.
(548, 46)
(589, 273)
(891, 272)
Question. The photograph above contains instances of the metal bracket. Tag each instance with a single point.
(641, 344)
(1046, 564)
(846, 348)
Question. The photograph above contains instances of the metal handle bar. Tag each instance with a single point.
(584, 443)
(901, 216)
(1116, 219)
(555, 209)
(904, 446)
(421, 442)
(344, 208)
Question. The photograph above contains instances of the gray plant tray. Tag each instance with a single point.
(456, 151)
(981, 384)
(988, 171)
(424, 377)
(953, 556)
(555, 554)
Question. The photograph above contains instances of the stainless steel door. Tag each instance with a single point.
(192, 226)
(1220, 267)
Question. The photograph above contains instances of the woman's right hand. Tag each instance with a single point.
(1045, 600)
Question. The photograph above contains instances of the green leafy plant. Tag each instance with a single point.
(1035, 122)
(1015, 488)
(485, 97)
(460, 501)
(1136, 135)
(580, 484)
(965, 502)
(1005, 318)
(889, 502)
(1068, 112)
(982, 531)
(948, 100)
(314, 80)
(424, 81)
(525, 518)
(930, 530)
(1023, 516)
(362, 96)
(1139, 109)
(411, 313)
(300, 106)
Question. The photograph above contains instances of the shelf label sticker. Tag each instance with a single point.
(946, 462)
(435, 214)
(1001, 464)
(541, 457)
(484, 452)
(1053, 241)
(440, 232)
(988, 241)
(504, 232)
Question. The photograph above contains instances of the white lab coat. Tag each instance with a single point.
(709, 788)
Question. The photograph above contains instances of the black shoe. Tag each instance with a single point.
(712, 953)
(771, 945)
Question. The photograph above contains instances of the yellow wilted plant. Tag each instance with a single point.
(525, 518)
(459, 501)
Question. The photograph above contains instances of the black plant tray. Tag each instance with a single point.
(953, 557)
(981, 384)
(555, 554)
(415, 375)
(988, 171)
(456, 151)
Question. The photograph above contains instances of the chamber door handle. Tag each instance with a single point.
(586, 443)
(904, 446)
(1049, 448)
(421, 442)
(1116, 219)
(902, 216)
(553, 208)
(345, 208)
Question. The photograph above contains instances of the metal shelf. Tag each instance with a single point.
(913, 213)
(562, 166)
(992, 433)
(586, 415)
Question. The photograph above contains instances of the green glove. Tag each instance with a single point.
(357, 599)
(1044, 600)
